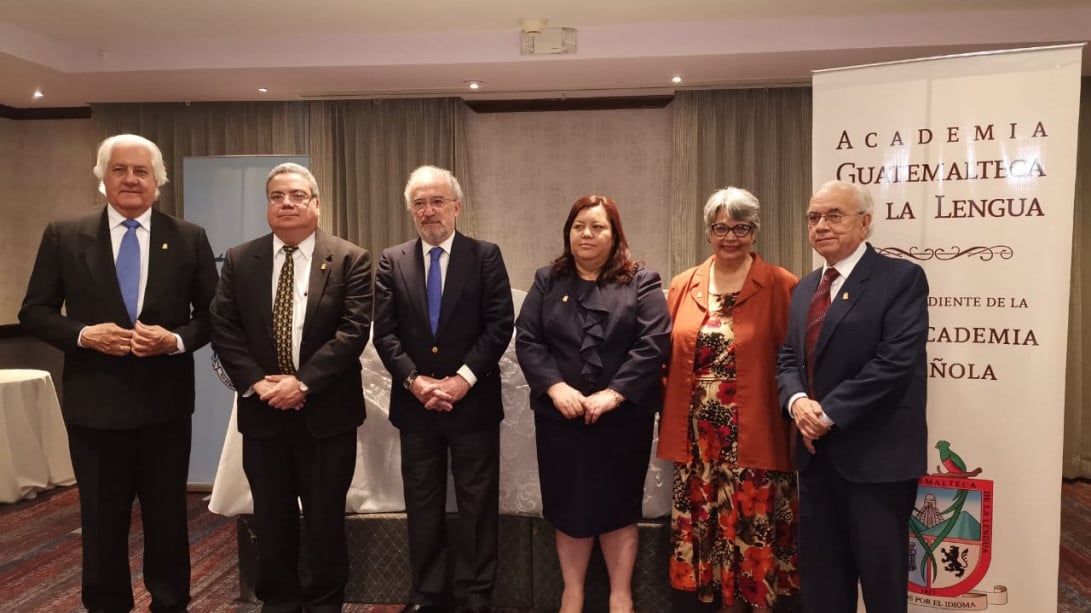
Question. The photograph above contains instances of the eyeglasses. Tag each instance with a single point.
(833, 217)
(297, 197)
(436, 203)
(720, 230)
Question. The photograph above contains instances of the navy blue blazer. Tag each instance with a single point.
(75, 268)
(870, 369)
(624, 348)
(475, 324)
(335, 331)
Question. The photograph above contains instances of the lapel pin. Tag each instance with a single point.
(322, 267)
(564, 298)
(164, 247)
(845, 296)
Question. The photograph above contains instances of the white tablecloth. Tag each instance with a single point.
(376, 485)
(34, 455)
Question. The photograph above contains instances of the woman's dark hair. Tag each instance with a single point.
(619, 266)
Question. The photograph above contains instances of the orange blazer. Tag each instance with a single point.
(760, 323)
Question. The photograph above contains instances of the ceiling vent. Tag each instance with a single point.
(537, 39)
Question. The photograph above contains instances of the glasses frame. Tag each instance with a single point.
(741, 230)
(419, 205)
(840, 218)
(287, 198)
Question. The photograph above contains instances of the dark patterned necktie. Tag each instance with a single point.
(282, 313)
(816, 313)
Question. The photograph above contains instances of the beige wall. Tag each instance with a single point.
(45, 168)
(528, 168)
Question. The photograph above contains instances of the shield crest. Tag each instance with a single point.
(950, 535)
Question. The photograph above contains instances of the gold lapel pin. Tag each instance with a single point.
(845, 296)
(322, 267)
(164, 247)
(564, 298)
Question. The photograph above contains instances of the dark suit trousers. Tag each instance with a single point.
(852, 531)
(475, 466)
(112, 468)
(282, 470)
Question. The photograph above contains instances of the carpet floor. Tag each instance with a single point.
(40, 556)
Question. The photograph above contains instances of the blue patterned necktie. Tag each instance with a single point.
(435, 288)
(128, 267)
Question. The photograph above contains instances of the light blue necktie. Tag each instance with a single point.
(128, 267)
(435, 288)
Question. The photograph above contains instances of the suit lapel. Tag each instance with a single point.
(159, 253)
(97, 248)
(698, 286)
(850, 293)
(459, 268)
(806, 288)
(756, 279)
(261, 263)
(411, 269)
(321, 262)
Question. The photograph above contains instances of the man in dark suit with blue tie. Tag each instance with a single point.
(443, 318)
(289, 322)
(135, 285)
(852, 376)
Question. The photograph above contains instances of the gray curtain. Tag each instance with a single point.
(363, 152)
(217, 128)
(756, 139)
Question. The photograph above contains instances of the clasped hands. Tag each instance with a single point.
(439, 394)
(142, 341)
(572, 404)
(281, 392)
(808, 414)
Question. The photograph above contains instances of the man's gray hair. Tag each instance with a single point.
(106, 149)
(291, 168)
(423, 173)
(738, 203)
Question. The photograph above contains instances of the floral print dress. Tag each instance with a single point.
(732, 527)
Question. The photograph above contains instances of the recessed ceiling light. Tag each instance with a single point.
(263, 90)
(38, 94)
(676, 79)
(474, 84)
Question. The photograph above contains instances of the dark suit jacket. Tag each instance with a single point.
(475, 325)
(75, 269)
(335, 331)
(870, 369)
(632, 343)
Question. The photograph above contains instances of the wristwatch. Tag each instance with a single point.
(408, 383)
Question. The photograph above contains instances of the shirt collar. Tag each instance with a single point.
(445, 245)
(115, 218)
(845, 266)
(306, 246)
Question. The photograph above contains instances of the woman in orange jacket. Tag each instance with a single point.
(734, 511)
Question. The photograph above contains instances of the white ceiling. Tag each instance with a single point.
(79, 52)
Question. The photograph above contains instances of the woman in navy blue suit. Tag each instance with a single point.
(591, 338)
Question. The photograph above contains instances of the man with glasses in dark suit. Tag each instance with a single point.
(289, 322)
(443, 318)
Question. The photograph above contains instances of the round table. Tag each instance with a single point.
(34, 451)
